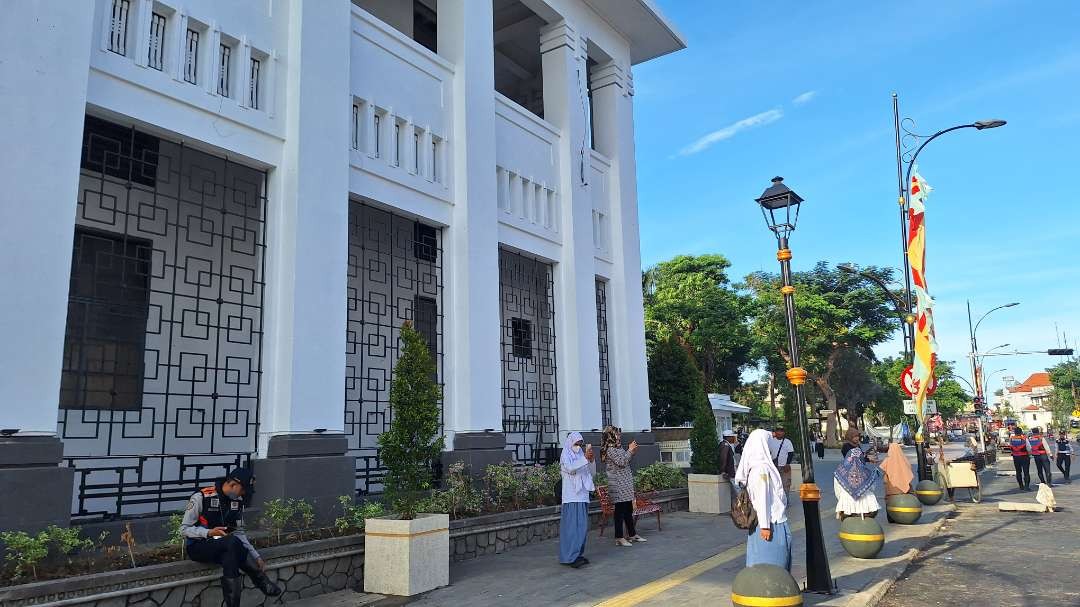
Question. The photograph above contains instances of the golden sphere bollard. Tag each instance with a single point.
(765, 585)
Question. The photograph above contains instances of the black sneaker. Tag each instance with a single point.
(579, 563)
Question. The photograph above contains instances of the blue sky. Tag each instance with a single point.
(803, 90)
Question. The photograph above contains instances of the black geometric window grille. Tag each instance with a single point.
(156, 52)
(197, 221)
(108, 304)
(530, 395)
(118, 26)
(602, 347)
(391, 279)
(225, 54)
(191, 57)
(253, 84)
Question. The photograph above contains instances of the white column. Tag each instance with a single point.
(44, 101)
(575, 315)
(613, 109)
(473, 362)
(308, 237)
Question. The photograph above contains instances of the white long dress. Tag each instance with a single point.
(845, 504)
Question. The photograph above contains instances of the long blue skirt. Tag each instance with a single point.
(573, 531)
(776, 551)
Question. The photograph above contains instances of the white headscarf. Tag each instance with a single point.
(572, 460)
(757, 458)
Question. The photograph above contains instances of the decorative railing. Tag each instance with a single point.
(526, 170)
(599, 186)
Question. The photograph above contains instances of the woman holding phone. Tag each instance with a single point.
(576, 465)
(620, 483)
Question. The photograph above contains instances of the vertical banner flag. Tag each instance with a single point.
(925, 343)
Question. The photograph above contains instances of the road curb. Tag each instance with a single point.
(873, 592)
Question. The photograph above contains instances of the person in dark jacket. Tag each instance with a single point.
(1064, 455)
(213, 531)
(727, 454)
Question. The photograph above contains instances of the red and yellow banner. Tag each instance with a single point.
(925, 342)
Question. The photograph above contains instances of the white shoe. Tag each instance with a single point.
(622, 542)
(638, 538)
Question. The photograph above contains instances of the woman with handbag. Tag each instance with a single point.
(769, 540)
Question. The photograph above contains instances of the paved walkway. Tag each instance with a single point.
(691, 562)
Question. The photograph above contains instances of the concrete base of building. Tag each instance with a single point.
(37, 489)
(312, 467)
(477, 450)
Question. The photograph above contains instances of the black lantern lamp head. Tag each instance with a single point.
(780, 207)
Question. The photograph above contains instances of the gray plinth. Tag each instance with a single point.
(477, 450)
(35, 490)
(311, 467)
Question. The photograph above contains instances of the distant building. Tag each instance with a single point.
(674, 444)
(723, 410)
(1030, 400)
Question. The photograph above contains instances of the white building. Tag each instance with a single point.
(723, 410)
(1030, 400)
(218, 214)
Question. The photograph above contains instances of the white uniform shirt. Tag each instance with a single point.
(780, 450)
(770, 505)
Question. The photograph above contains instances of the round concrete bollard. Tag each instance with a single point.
(765, 585)
(862, 538)
(904, 509)
(928, 492)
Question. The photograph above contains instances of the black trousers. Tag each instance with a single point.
(820, 446)
(1042, 466)
(1022, 463)
(624, 514)
(1064, 463)
(227, 552)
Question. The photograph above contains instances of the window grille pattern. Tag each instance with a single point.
(395, 275)
(191, 57)
(223, 70)
(253, 86)
(602, 347)
(118, 26)
(530, 395)
(156, 53)
(356, 113)
(188, 227)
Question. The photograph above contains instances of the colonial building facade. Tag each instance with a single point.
(219, 214)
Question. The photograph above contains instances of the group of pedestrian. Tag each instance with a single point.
(577, 465)
(1026, 448)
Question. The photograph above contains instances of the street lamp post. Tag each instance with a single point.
(903, 184)
(976, 366)
(777, 204)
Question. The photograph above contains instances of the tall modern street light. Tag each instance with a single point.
(903, 178)
(780, 207)
(976, 366)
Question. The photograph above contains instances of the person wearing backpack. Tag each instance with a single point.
(768, 538)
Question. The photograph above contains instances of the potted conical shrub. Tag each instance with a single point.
(708, 491)
(409, 552)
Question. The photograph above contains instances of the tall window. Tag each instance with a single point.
(397, 143)
(378, 135)
(118, 23)
(521, 338)
(108, 304)
(416, 153)
(191, 57)
(223, 72)
(156, 53)
(253, 88)
(434, 159)
(356, 126)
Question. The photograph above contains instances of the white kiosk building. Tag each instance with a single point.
(218, 214)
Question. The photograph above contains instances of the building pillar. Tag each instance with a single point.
(44, 101)
(613, 111)
(563, 55)
(301, 451)
(473, 400)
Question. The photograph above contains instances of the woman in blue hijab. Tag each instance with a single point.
(853, 482)
(576, 464)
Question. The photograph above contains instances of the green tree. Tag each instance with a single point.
(704, 444)
(413, 442)
(837, 314)
(675, 384)
(888, 405)
(692, 299)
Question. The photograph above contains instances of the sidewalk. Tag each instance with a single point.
(691, 562)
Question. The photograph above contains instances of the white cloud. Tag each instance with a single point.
(806, 97)
(731, 130)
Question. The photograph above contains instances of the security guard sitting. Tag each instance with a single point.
(213, 528)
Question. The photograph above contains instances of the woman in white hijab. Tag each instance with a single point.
(770, 541)
(577, 468)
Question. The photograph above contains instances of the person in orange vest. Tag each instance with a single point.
(1040, 452)
(1018, 446)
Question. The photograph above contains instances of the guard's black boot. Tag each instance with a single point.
(259, 578)
(231, 587)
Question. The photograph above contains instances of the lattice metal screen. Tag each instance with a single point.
(163, 349)
(395, 274)
(530, 395)
(602, 347)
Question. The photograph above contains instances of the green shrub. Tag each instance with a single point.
(657, 477)
(25, 551)
(278, 513)
(704, 444)
(354, 515)
(505, 485)
(459, 498)
(172, 528)
(414, 439)
(306, 513)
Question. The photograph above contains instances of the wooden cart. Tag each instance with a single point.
(960, 475)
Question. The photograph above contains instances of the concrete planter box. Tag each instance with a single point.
(406, 558)
(306, 568)
(709, 493)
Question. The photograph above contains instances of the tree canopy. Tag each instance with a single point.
(675, 386)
